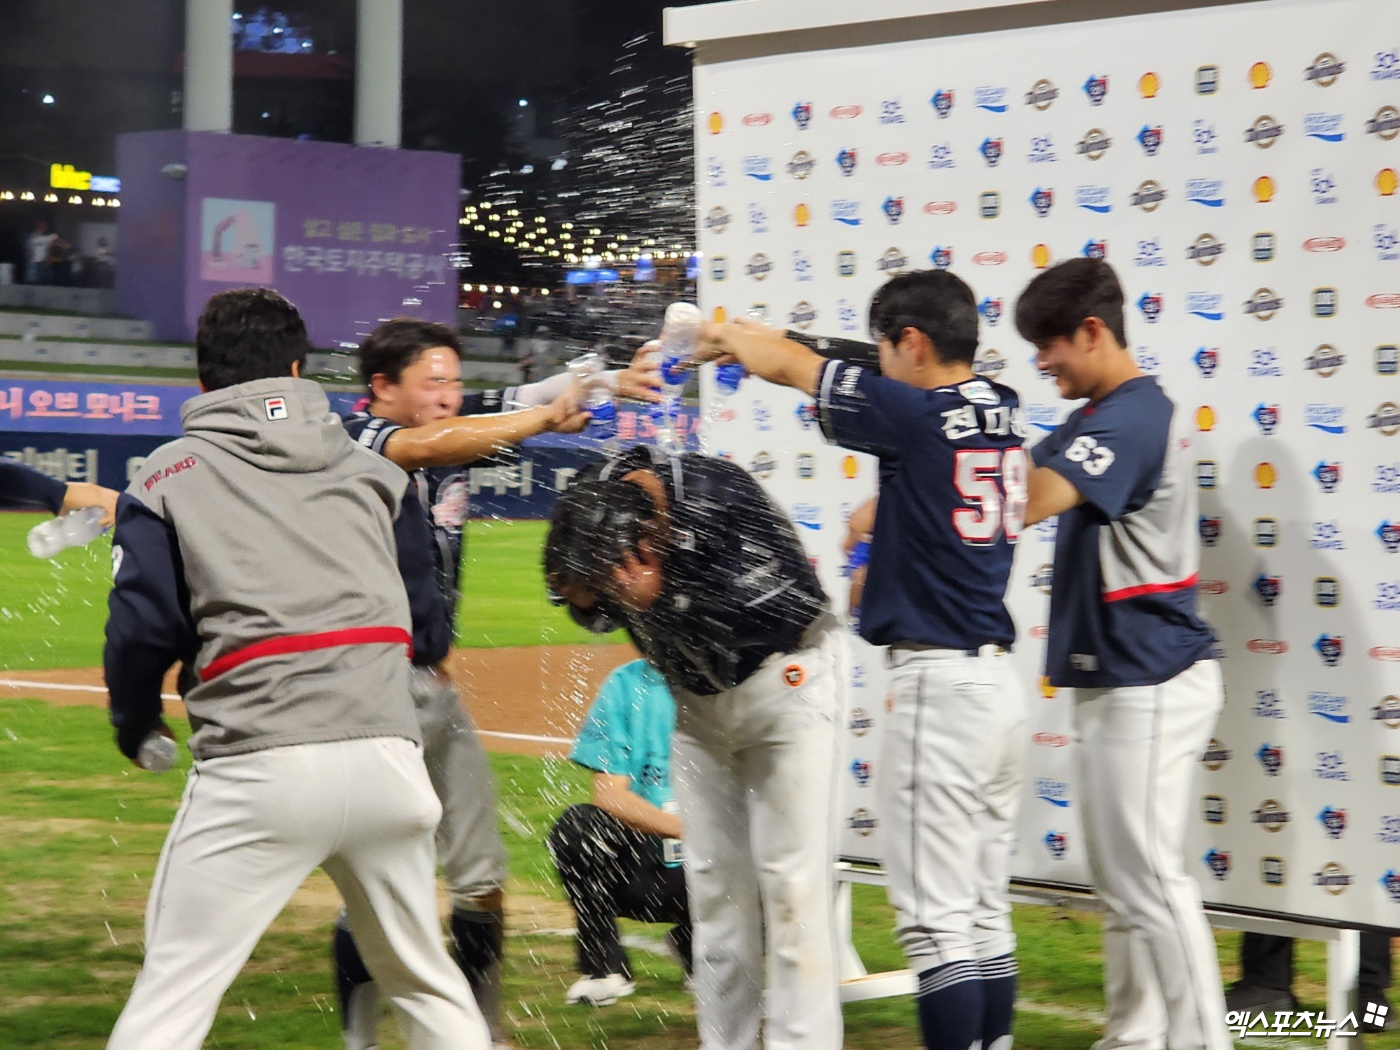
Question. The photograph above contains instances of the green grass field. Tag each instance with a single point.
(80, 830)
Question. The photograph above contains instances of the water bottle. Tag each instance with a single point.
(157, 752)
(587, 370)
(77, 528)
(678, 336)
(728, 377)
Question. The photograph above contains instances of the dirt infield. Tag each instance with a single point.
(526, 700)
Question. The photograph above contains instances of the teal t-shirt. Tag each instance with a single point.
(627, 732)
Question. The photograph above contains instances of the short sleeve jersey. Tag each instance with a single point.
(1124, 593)
(952, 498)
(627, 732)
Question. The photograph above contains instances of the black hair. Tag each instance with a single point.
(1059, 300)
(595, 524)
(396, 344)
(937, 303)
(246, 334)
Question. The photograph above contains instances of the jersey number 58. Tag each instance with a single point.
(993, 482)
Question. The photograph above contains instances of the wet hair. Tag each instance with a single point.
(1059, 300)
(937, 303)
(246, 334)
(396, 344)
(595, 524)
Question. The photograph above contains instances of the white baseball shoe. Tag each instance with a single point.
(599, 991)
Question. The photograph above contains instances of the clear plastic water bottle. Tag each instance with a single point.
(598, 401)
(157, 752)
(678, 337)
(77, 528)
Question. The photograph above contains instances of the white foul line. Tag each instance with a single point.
(16, 683)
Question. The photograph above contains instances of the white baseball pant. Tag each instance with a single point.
(754, 773)
(948, 786)
(1138, 752)
(248, 832)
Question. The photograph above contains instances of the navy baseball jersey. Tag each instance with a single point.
(952, 499)
(23, 488)
(1123, 600)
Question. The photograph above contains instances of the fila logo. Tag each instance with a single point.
(275, 408)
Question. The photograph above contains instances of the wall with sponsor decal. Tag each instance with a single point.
(1247, 195)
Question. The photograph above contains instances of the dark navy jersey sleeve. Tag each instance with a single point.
(23, 488)
(1111, 453)
(149, 625)
(860, 410)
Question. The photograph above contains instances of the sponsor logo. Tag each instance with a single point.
(717, 220)
(1216, 755)
(806, 465)
(715, 123)
(1205, 419)
(802, 315)
(1324, 361)
(860, 769)
(1324, 302)
(1385, 124)
(1264, 362)
(1267, 646)
(1324, 244)
(1150, 304)
(891, 112)
(1208, 306)
(989, 204)
(1387, 479)
(1263, 189)
(892, 261)
(1050, 740)
(1040, 256)
(1205, 249)
(1327, 592)
(1265, 476)
(1150, 139)
(940, 207)
(1096, 87)
(802, 115)
(1384, 301)
(1386, 652)
(275, 408)
(1333, 878)
(860, 721)
(1387, 360)
(1329, 648)
(1323, 185)
(1266, 416)
(1042, 150)
(1386, 182)
(862, 822)
(758, 218)
(891, 160)
(1207, 80)
(1260, 74)
(1263, 304)
(1326, 127)
(992, 151)
(758, 168)
(1204, 135)
(1214, 809)
(801, 215)
(1093, 198)
(1208, 528)
(1270, 757)
(1041, 578)
(1207, 360)
(1328, 476)
(1055, 792)
(846, 160)
(1149, 84)
(802, 264)
(1149, 253)
(1218, 861)
(941, 257)
(1326, 418)
(1390, 770)
(991, 310)
(1390, 882)
(942, 102)
(1264, 132)
(1329, 706)
(1325, 69)
(940, 157)
(1262, 247)
(846, 112)
(1388, 533)
(989, 258)
(1333, 821)
(714, 172)
(1267, 589)
(1042, 200)
(989, 364)
(1207, 192)
(1268, 703)
(1271, 816)
(1386, 242)
(1266, 530)
(808, 516)
(188, 463)
(759, 266)
(1042, 95)
(801, 165)
(1387, 712)
(846, 212)
(992, 99)
(1386, 418)
(1272, 871)
(763, 465)
(757, 120)
(1056, 843)
(1094, 144)
(1148, 196)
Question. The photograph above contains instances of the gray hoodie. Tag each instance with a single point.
(265, 526)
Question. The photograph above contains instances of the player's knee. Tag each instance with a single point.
(573, 828)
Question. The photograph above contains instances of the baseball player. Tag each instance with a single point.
(712, 584)
(619, 855)
(1125, 634)
(231, 553)
(23, 488)
(412, 370)
(952, 493)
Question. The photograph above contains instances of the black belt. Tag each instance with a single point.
(919, 647)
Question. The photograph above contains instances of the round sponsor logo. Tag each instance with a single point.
(1385, 124)
(1149, 84)
(1270, 815)
(1148, 196)
(940, 207)
(715, 123)
(892, 160)
(1042, 94)
(845, 112)
(850, 467)
(1387, 712)
(989, 258)
(757, 120)
(989, 364)
(862, 822)
(1205, 419)
(861, 721)
(1205, 249)
(1040, 256)
(1216, 755)
(1264, 132)
(1325, 69)
(1324, 244)
(1259, 75)
(1387, 182)
(1265, 475)
(1263, 189)
(794, 675)
(764, 464)
(801, 215)
(1268, 646)
(1333, 878)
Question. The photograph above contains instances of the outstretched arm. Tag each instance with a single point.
(613, 794)
(462, 439)
(765, 352)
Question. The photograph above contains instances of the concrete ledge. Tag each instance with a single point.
(53, 326)
(97, 302)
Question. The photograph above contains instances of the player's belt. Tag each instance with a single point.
(305, 643)
(986, 649)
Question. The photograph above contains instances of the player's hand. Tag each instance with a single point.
(641, 380)
(85, 494)
(565, 414)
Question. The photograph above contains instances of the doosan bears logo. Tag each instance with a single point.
(1330, 648)
(1056, 843)
(1270, 757)
(1328, 475)
(1218, 861)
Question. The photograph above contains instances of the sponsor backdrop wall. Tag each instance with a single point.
(1238, 166)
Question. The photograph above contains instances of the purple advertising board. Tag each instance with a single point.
(351, 235)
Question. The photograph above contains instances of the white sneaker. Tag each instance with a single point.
(599, 991)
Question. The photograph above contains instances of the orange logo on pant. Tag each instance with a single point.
(793, 675)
